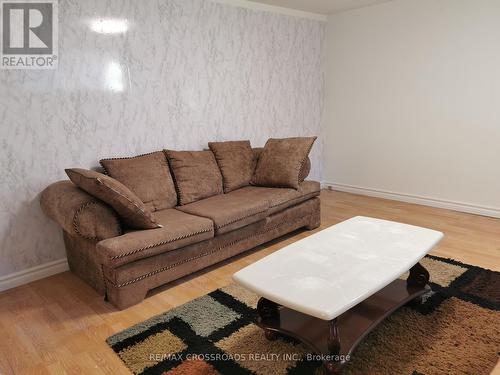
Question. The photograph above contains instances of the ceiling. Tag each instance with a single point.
(321, 6)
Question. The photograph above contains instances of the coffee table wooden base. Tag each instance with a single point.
(334, 341)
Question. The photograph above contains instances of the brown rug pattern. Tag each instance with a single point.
(455, 329)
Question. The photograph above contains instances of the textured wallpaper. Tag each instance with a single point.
(137, 76)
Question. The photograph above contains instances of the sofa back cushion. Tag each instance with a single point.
(304, 170)
(196, 174)
(281, 161)
(129, 207)
(148, 176)
(236, 163)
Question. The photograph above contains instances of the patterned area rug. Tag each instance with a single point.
(454, 330)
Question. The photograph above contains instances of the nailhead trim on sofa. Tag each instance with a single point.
(128, 157)
(299, 199)
(159, 244)
(75, 222)
(104, 283)
(152, 273)
(304, 160)
(241, 218)
(193, 234)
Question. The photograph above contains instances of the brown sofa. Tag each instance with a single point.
(124, 264)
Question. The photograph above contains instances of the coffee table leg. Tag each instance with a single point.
(333, 337)
(419, 276)
(269, 314)
(333, 341)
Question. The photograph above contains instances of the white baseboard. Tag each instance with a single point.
(33, 274)
(409, 198)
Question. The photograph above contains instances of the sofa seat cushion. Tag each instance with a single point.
(179, 229)
(280, 198)
(229, 211)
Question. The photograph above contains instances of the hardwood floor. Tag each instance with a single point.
(58, 325)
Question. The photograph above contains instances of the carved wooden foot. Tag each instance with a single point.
(333, 341)
(419, 276)
(270, 334)
(333, 368)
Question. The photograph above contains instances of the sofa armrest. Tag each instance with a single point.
(78, 213)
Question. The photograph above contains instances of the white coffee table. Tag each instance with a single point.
(332, 288)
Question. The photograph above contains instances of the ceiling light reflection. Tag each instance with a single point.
(109, 25)
(114, 77)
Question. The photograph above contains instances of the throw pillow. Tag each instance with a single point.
(304, 171)
(129, 207)
(148, 176)
(281, 161)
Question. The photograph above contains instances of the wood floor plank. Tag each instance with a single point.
(58, 325)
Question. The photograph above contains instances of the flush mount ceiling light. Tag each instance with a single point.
(109, 25)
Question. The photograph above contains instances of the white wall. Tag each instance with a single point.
(413, 102)
(186, 72)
